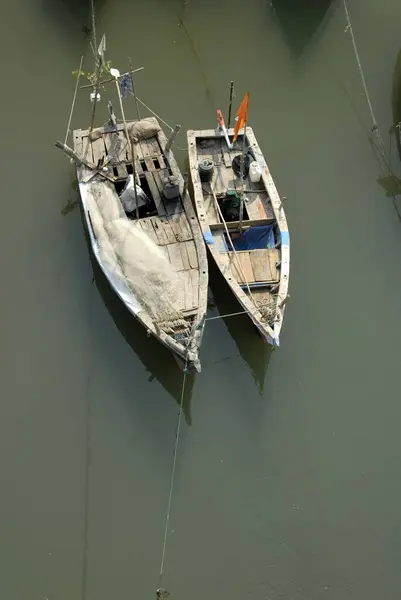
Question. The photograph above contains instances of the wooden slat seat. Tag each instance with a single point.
(255, 266)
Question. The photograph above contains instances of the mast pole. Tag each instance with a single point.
(128, 139)
(99, 67)
(98, 73)
(241, 205)
(230, 104)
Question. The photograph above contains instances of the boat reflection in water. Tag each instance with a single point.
(75, 13)
(157, 359)
(300, 19)
(390, 182)
(255, 352)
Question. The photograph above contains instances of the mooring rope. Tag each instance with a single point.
(88, 449)
(172, 477)
(361, 72)
(242, 312)
(160, 119)
(375, 128)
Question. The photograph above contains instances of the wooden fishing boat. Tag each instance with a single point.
(142, 227)
(252, 252)
(169, 224)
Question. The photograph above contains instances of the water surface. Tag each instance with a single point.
(288, 469)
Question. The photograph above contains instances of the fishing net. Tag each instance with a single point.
(132, 255)
(146, 268)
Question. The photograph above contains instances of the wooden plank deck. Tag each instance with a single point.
(180, 227)
(175, 255)
(254, 266)
(98, 150)
(148, 228)
(172, 230)
(263, 264)
(190, 250)
(169, 231)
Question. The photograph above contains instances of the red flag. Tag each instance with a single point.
(242, 115)
(220, 118)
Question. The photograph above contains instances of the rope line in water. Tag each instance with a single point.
(88, 453)
(242, 312)
(172, 478)
(375, 128)
(361, 72)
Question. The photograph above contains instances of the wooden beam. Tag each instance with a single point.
(91, 85)
(236, 224)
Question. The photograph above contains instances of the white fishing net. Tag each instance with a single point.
(132, 255)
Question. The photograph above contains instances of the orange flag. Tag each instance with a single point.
(242, 115)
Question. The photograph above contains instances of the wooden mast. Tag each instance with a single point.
(116, 75)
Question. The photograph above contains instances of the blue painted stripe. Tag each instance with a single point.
(207, 236)
(285, 238)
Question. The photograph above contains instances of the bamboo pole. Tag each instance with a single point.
(133, 88)
(97, 85)
(89, 85)
(73, 100)
(70, 152)
(128, 141)
(230, 104)
(242, 172)
(82, 161)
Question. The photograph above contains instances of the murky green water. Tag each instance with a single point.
(288, 469)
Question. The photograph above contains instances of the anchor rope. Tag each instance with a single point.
(172, 478)
(241, 312)
(375, 128)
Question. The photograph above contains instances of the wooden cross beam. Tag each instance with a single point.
(91, 85)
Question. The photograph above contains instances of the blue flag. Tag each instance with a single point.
(125, 86)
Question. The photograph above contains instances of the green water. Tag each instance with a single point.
(288, 468)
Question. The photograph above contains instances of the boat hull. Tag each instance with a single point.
(258, 276)
(169, 226)
(128, 299)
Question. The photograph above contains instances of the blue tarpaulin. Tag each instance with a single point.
(256, 238)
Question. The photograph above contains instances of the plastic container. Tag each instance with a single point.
(255, 172)
(206, 170)
(171, 188)
(93, 96)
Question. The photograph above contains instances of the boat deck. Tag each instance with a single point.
(168, 224)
